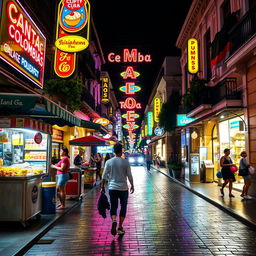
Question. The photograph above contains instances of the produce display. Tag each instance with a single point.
(12, 171)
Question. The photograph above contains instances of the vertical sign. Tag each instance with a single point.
(73, 17)
(104, 90)
(150, 123)
(157, 109)
(193, 59)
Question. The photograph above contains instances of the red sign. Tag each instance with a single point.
(38, 138)
(22, 44)
(74, 5)
(130, 103)
(129, 56)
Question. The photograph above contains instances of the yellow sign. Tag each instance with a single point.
(104, 90)
(157, 109)
(193, 56)
(72, 43)
(102, 121)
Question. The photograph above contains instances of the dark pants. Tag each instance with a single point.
(114, 196)
(148, 165)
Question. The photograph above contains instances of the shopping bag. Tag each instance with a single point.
(251, 170)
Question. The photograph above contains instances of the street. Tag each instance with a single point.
(163, 218)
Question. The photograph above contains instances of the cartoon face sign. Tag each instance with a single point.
(73, 17)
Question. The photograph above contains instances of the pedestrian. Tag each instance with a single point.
(98, 161)
(62, 176)
(107, 157)
(244, 172)
(227, 175)
(148, 161)
(78, 161)
(116, 171)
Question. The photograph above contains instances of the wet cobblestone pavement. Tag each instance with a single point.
(163, 218)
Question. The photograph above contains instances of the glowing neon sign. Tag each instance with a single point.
(22, 43)
(73, 16)
(104, 90)
(127, 126)
(157, 109)
(102, 121)
(130, 88)
(130, 103)
(150, 123)
(130, 73)
(129, 56)
(193, 60)
(130, 115)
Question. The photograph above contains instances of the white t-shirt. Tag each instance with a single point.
(116, 171)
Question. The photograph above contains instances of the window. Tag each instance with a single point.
(252, 3)
(225, 10)
(207, 40)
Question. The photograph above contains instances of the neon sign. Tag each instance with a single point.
(127, 126)
(130, 115)
(157, 109)
(129, 73)
(193, 60)
(104, 90)
(22, 43)
(150, 123)
(73, 16)
(129, 56)
(102, 121)
(182, 120)
(130, 103)
(130, 88)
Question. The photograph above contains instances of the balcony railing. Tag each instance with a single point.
(227, 89)
(243, 30)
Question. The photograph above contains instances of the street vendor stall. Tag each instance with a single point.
(90, 170)
(24, 158)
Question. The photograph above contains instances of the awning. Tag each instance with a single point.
(38, 107)
(89, 141)
(92, 125)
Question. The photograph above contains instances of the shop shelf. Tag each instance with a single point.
(35, 149)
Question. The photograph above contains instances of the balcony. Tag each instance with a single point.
(243, 30)
(212, 99)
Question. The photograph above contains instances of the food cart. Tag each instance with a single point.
(90, 170)
(24, 158)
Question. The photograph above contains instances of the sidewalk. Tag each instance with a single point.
(14, 238)
(241, 209)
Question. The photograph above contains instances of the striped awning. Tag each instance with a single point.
(37, 107)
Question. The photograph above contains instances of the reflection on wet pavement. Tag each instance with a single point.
(163, 219)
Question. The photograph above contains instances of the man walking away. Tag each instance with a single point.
(116, 171)
(148, 160)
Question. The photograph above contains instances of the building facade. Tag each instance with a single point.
(223, 111)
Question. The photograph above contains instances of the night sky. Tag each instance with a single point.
(153, 28)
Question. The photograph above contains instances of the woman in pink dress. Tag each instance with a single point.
(62, 176)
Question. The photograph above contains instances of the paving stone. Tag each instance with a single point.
(163, 218)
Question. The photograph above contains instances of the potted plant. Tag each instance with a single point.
(175, 169)
(67, 91)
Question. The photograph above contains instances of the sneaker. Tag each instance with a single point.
(247, 197)
(113, 228)
(120, 231)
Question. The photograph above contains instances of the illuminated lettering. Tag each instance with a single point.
(157, 109)
(130, 103)
(193, 59)
(130, 73)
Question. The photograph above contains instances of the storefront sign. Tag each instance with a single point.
(73, 16)
(129, 56)
(193, 59)
(130, 115)
(130, 73)
(159, 131)
(57, 135)
(71, 43)
(38, 138)
(104, 90)
(183, 120)
(150, 123)
(157, 109)
(102, 121)
(130, 126)
(130, 88)
(22, 43)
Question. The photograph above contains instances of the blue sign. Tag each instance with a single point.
(182, 120)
